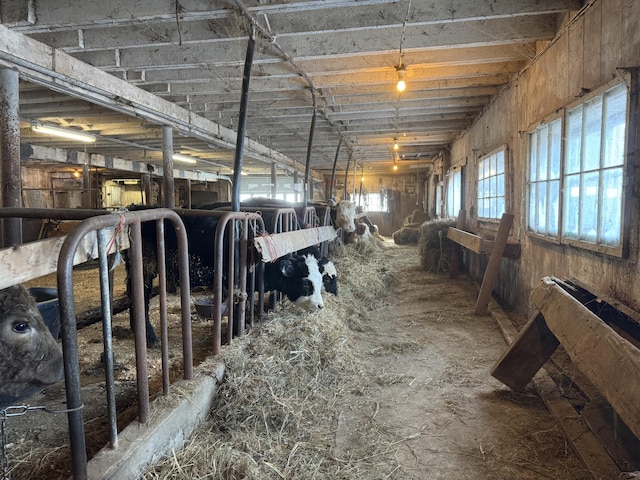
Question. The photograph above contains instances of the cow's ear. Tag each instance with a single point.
(287, 268)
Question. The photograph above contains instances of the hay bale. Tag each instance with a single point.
(407, 234)
(417, 216)
(432, 258)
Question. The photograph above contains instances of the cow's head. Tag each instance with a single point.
(30, 358)
(345, 216)
(302, 282)
(329, 275)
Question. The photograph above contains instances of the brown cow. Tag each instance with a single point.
(30, 358)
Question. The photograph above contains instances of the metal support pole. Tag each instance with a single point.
(242, 123)
(346, 177)
(274, 180)
(168, 187)
(11, 186)
(307, 168)
(333, 171)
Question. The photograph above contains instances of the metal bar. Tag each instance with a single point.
(242, 276)
(139, 329)
(346, 178)
(10, 174)
(333, 170)
(307, 168)
(105, 297)
(242, 122)
(162, 304)
(67, 314)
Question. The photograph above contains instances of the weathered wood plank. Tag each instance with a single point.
(39, 258)
(468, 240)
(491, 273)
(533, 346)
(610, 362)
(480, 245)
(276, 245)
(592, 453)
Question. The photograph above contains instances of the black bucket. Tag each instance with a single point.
(47, 300)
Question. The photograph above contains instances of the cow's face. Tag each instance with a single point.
(345, 216)
(329, 275)
(303, 283)
(30, 358)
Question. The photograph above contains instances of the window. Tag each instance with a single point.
(454, 193)
(491, 185)
(376, 202)
(544, 178)
(580, 199)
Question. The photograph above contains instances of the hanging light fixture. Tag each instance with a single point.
(402, 73)
(63, 133)
(396, 146)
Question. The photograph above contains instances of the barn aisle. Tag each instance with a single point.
(388, 381)
(446, 416)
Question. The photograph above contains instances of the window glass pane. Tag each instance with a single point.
(533, 155)
(611, 218)
(554, 150)
(571, 206)
(542, 153)
(589, 207)
(592, 133)
(499, 191)
(533, 204)
(615, 110)
(500, 207)
(574, 140)
(542, 206)
(553, 203)
(500, 162)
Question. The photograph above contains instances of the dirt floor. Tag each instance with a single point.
(416, 400)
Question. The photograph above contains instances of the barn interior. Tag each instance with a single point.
(514, 133)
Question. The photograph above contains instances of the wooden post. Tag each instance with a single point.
(493, 267)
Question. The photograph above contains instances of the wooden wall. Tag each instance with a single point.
(587, 54)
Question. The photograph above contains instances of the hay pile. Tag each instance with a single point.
(275, 415)
(410, 231)
(432, 258)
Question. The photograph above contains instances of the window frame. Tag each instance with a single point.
(622, 249)
(559, 114)
(506, 187)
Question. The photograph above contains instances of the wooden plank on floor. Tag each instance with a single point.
(590, 451)
(610, 362)
(533, 346)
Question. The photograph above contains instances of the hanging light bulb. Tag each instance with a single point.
(402, 72)
(396, 146)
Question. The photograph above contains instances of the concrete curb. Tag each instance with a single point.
(173, 420)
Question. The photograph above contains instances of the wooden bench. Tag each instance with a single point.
(498, 248)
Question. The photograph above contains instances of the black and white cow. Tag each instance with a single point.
(298, 277)
(30, 358)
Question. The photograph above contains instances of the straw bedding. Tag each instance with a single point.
(275, 414)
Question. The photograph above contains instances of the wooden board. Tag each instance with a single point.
(480, 245)
(533, 346)
(593, 455)
(39, 258)
(493, 266)
(274, 246)
(610, 362)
